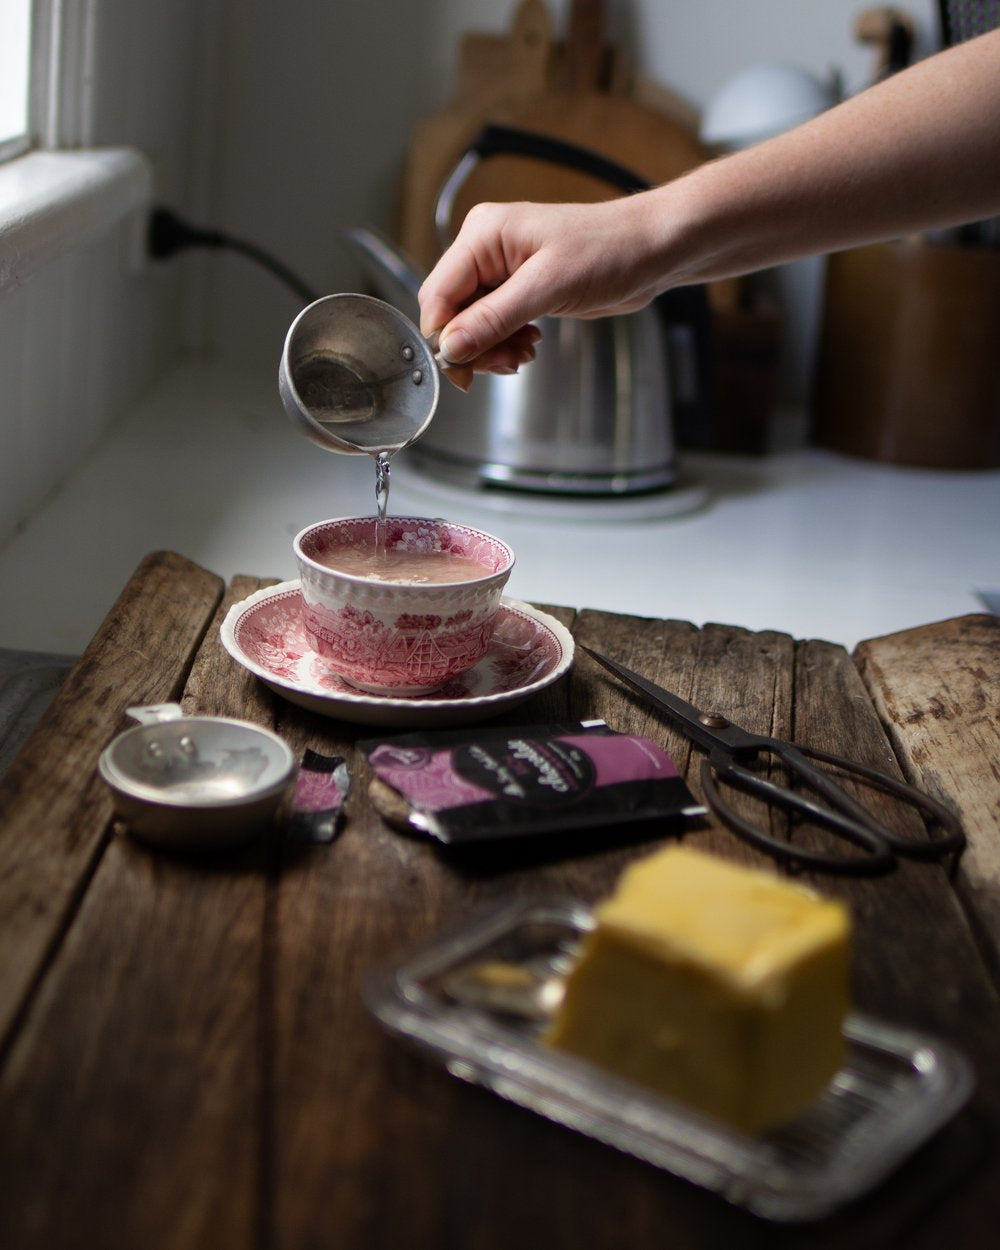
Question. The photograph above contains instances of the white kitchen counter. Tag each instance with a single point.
(809, 542)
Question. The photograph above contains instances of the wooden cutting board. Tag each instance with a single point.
(576, 89)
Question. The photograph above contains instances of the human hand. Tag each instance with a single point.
(513, 263)
(913, 153)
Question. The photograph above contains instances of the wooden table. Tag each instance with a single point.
(186, 1058)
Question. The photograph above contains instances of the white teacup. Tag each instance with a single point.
(404, 622)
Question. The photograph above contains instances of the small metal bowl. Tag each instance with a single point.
(187, 782)
(356, 375)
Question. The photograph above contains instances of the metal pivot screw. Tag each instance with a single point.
(417, 376)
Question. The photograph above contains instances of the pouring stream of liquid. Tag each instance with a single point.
(381, 500)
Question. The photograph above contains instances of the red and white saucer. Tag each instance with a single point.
(529, 651)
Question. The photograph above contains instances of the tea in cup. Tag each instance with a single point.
(401, 606)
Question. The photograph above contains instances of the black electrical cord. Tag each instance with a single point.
(167, 234)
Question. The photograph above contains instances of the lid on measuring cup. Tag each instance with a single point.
(357, 376)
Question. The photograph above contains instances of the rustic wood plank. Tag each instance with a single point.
(144, 1053)
(666, 651)
(55, 809)
(825, 678)
(910, 934)
(382, 1100)
(344, 1123)
(217, 685)
(937, 690)
(916, 964)
(252, 1101)
(748, 676)
(745, 675)
(360, 1117)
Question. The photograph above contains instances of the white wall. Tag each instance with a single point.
(84, 336)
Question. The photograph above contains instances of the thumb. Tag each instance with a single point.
(489, 321)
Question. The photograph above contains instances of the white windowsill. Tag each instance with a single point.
(51, 202)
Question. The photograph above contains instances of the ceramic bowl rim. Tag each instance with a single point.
(358, 579)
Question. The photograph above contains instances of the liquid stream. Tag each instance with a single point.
(381, 501)
(371, 558)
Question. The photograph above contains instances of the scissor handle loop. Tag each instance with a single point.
(934, 848)
(879, 859)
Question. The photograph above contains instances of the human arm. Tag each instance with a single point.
(920, 150)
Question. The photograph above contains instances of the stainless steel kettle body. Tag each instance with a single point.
(592, 415)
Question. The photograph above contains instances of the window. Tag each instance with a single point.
(15, 61)
(65, 190)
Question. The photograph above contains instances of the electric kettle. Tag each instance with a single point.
(595, 412)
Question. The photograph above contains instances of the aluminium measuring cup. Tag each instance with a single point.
(357, 376)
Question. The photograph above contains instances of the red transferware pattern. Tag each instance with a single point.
(265, 634)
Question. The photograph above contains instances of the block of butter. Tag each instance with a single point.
(720, 986)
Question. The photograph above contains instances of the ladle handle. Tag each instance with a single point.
(510, 141)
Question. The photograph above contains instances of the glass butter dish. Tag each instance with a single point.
(896, 1088)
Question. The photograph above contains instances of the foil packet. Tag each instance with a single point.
(507, 782)
(321, 790)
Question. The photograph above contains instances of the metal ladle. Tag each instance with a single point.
(357, 376)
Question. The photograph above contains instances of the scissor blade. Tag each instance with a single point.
(686, 714)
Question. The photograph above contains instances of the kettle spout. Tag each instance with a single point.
(393, 275)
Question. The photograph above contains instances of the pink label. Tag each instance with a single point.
(520, 769)
(625, 757)
(317, 791)
(425, 778)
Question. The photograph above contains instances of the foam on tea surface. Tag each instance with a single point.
(397, 565)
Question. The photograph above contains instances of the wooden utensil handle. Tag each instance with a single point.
(585, 49)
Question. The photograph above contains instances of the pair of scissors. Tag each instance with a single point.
(731, 752)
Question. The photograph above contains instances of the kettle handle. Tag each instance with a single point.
(496, 140)
(685, 311)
